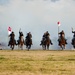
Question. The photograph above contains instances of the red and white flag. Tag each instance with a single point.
(9, 30)
(58, 23)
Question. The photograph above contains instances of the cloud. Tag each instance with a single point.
(4, 2)
(55, 0)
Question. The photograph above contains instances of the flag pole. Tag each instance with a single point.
(58, 31)
(9, 32)
(58, 23)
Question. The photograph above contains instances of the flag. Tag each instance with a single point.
(58, 23)
(9, 30)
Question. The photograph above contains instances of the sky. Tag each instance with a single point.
(37, 17)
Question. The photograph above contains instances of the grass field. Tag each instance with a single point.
(37, 62)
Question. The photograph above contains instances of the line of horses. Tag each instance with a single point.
(45, 45)
(21, 43)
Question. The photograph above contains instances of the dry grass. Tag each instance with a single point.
(37, 62)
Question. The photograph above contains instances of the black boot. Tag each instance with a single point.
(9, 43)
(65, 41)
(72, 42)
(31, 42)
(15, 42)
(41, 43)
(51, 42)
(59, 43)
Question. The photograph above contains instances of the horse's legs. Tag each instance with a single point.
(29, 46)
(21, 47)
(48, 47)
(12, 47)
(61, 46)
(18, 46)
(64, 46)
(45, 47)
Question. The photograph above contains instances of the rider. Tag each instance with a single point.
(12, 37)
(62, 34)
(43, 38)
(73, 35)
(46, 36)
(20, 35)
(29, 36)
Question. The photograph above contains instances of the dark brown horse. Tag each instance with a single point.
(73, 42)
(21, 43)
(62, 43)
(46, 43)
(12, 43)
(28, 43)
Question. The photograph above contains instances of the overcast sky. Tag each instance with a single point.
(37, 17)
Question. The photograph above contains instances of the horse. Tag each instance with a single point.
(21, 43)
(73, 42)
(28, 43)
(62, 43)
(46, 43)
(12, 43)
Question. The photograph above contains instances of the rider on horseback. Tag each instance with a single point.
(46, 36)
(73, 35)
(20, 35)
(62, 34)
(12, 37)
(29, 36)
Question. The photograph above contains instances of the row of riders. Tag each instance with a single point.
(20, 41)
(45, 39)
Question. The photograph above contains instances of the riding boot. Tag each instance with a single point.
(31, 42)
(51, 42)
(72, 42)
(9, 43)
(59, 43)
(19, 41)
(15, 42)
(41, 42)
(65, 41)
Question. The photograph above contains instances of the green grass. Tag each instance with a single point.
(38, 62)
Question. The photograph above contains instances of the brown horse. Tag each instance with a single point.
(62, 43)
(12, 43)
(21, 43)
(46, 43)
(73, 42)
(28, 43)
